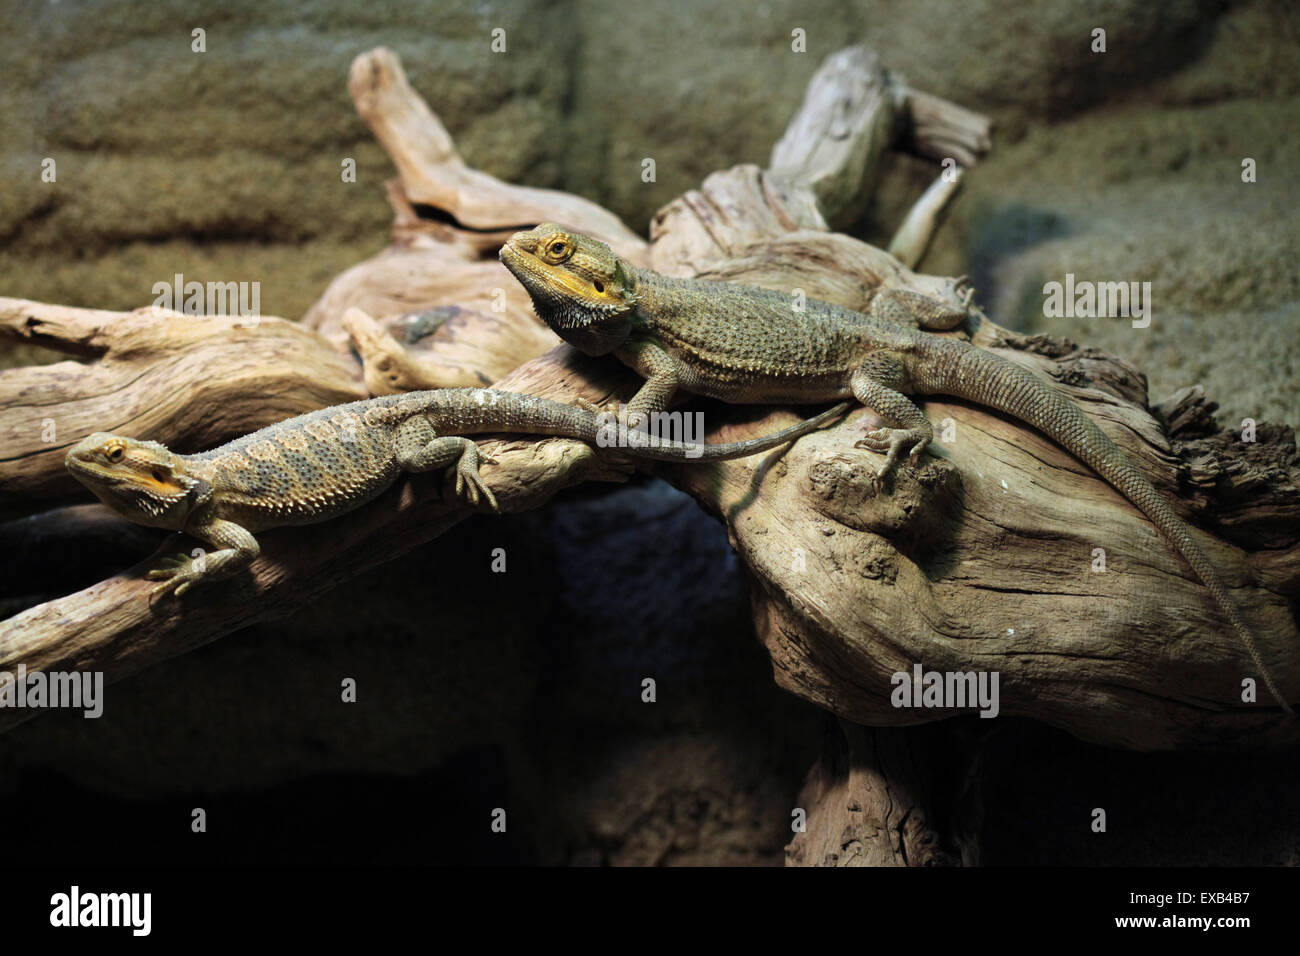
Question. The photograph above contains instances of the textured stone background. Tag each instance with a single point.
(225, 165)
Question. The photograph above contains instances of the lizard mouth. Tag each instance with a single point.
(79, 468)
(554, 293)
(512, 253)
(523, 265)
(585, 317)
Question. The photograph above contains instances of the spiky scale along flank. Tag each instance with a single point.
(316, 466)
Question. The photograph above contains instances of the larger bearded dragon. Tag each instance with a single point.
(316, 466)
(746, 344)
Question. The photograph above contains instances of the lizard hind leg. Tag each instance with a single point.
(905, 307)
(419, 449)
(875, 384)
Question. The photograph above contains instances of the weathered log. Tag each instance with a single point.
(991, 539)
(829, 158)
(114, 627)
(986, 559)
(449, 221)
(433, 173)
(1058, 622)
(882, 796)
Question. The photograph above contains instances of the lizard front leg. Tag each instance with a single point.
(661, 374)
(236, 549)
(876, 384)
(420, 449)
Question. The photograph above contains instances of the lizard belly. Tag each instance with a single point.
(741, 386)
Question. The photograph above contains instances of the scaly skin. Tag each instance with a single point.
(745, 345)
(316, 466)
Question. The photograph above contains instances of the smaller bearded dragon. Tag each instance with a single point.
(328, 462)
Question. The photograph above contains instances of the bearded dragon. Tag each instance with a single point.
(323, 464)
(745, 344)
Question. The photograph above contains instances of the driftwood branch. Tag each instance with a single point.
(449, 222)
(829, 159)
(939, 129)
(433, 174)
(985, 558)
(886, 797)
(981, 558)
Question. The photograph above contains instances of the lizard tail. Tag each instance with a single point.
(666, 450)
(482, 410)
(972, 373)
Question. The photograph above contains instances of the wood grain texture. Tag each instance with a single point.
(886, 797)
(979, 558)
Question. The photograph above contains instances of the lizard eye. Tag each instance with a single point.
(558, 250)
(116, 452)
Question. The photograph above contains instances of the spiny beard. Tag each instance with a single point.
(564, 313)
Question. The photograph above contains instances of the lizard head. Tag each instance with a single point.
(140, 480)
(579, 287)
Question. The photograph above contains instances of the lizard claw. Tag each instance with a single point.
(891, 442)
(470, 486)
(176, 589)
(177, 575)
(587, 405)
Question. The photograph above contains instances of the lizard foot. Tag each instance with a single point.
(177, 574)
(587, 405)
(634, 421)
(891, 442)
(469, 483)
(614, 408)
(621, 413)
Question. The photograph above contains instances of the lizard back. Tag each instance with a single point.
(309, 468)
(751, 345)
